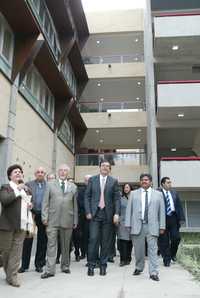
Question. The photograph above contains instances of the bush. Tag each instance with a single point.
(190, 238)
(189, 257)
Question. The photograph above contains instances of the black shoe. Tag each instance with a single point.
(102, 271)
(77, 258)
(174, 259)
(111, 260)
(46, 275)
(67, 271)
(90, 272)
(82, 257)
(21, 270)
(57, 261)
(121, 264)
(166, 263)
(39, 269)
(137, 272)
(154, 277)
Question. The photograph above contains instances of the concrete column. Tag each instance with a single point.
(7, 144)
(150, 94)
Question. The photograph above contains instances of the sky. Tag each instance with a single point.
(97, 5)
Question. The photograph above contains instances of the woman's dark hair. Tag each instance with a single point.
(131, 188)
(12, 168)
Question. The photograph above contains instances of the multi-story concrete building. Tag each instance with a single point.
(42, 75)
(139, 109)
(143, 97)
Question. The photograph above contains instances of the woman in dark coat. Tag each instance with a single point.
(124, 240)
(14, 221)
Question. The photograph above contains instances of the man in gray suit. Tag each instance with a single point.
(59, 213)
(145, 216)
(102, 207)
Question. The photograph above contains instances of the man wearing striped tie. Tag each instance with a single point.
(169, 241)
(102, 207)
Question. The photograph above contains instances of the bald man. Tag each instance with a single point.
(59, 214)
(38, 187)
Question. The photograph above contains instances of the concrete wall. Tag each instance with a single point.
(116, 120)
(5, 88)
(33, 144)
(63, 155)
(184, 174)
(178, 95)
(177, 26)
(115, 21)
(122, 173)
(117, 70)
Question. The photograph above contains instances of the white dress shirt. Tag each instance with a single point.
(143, 194)
(66, 184)
(170, 199)
(103, 178)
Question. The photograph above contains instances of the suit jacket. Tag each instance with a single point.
(60, 209)
(111, 196)
(156, 213)
(10, 218)
(32, 185)
(177, 205)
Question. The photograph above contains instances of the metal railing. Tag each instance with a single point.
(91, 107)
(113, 59)
(115, 159)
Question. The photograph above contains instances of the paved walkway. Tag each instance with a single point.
(175, 282)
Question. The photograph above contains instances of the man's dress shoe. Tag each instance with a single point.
(154, 277)
(77, 258)
(137, 272)
(21, 270)
(102, 271)
(90, 272)
(111, 260)
(46, 275)
(67, 271)
(39, 269)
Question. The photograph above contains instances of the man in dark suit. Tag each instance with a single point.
(169, 241)
(102, 207)
(38, 187)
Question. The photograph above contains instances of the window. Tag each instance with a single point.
(67, 134)
(38, 94)
(6, 41)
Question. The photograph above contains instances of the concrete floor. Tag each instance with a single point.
(175, 282)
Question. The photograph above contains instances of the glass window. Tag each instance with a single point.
(29, 80)
(6, 40)
(42, 11)
(47, 23)
(193, 211)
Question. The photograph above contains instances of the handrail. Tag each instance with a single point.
(177, 14)
(109, 58)
(179, 82)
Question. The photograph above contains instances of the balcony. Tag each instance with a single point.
(125, 166)
(113, 59)
(183, 171)
(173, 37)
(178, 99)
(45, 22)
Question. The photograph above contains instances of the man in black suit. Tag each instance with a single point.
(102, 207)
(169, 241)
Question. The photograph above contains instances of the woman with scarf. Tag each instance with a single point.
(15, 220)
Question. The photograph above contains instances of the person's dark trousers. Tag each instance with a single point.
(112, 248)
(76, 239)
(125, 249)
(99, 235)
(26, 252)
(84, 234)
(41, 242)
(58, 249)
(169, 241)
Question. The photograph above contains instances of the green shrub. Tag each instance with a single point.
(189, 257)
(190, 238)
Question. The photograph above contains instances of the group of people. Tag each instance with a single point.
(145, 218)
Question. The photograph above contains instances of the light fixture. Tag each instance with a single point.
(139, 83)
(180, 115)
(173, 149)
(97, 131)
(139, 130)
(175, 48)
(101, 99)
(136, 58)
(98, 84)
(137, 98)
(136, 40)
(98, 42)
(138, 140)
(101, 141)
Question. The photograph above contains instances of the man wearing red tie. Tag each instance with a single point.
(102, 206)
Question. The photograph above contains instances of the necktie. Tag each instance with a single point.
(146, 207)
(63, 186)
(168, 206)
(102, 201)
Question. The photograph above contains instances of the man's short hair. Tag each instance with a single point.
(163, 180)
(12, 168)
(103, 161)
(145, 175)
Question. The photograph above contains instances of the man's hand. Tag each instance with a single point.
(162, 231)
(116, 219)
(89, 216)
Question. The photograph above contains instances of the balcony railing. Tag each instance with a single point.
(94, 107)
(69, 76)
(115, 159)
(46, 24)
(114, 59)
